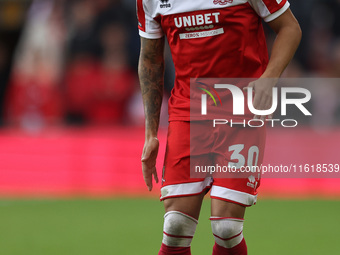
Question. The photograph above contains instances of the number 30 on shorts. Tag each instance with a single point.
(237, 149)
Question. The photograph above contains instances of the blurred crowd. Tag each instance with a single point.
(74, 62)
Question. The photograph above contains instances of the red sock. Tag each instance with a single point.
(240, 249)
(168, 250)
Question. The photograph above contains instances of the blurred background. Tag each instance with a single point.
(72, 132)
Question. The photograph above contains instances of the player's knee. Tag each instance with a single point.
(227, 231)
(179, 229)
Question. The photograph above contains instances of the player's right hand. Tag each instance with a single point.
(150, 152)
(263, 97)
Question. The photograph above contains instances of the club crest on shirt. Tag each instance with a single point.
(165, 4)
(223, 2)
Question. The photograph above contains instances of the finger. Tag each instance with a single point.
(263, 117)
(265, 100)
(267, 106)
(264, 103)
(250, 85)
(148, 182)
(155, 175)
(258, 100)
(147, 175)
(258, 104)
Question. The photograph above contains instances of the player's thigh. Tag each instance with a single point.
(220, 208)
(190, 205)
(179, 191)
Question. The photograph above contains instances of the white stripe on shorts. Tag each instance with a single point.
(233, 195)
(185, 189)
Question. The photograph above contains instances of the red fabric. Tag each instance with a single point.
(168, 250)
(240, 249)
(243, 52)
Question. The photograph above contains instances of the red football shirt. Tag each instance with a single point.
(209, 38)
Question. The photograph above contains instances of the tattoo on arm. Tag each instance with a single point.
(151, 78)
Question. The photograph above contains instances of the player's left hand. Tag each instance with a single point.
(150, 152)
(263, 98)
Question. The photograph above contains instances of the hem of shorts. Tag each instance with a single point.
(189, 181)
(232, 201)
(185, 195)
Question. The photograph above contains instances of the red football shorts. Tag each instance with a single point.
(220, 146)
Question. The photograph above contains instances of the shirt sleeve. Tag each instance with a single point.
(148, 27)
(269, 10)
